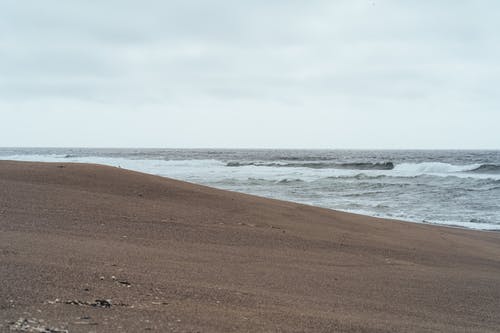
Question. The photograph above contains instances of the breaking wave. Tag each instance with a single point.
(404, 168)
(487, 168)
(433, 168)
(445, 168)
(318, 165)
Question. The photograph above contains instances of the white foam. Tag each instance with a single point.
(439, 169)
(433, 168)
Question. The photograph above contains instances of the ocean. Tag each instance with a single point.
(447, 187)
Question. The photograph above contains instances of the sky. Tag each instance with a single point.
(250, 74)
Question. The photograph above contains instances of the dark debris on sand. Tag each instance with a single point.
(98, 303)
(34, 325)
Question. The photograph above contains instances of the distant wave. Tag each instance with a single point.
(487, 168)
(319, 165)
(437, 167)
(433, 168)
(289, 181)
(262, 181)
(359, 176)
(403, 168)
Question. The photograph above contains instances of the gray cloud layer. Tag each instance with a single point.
(325, 74)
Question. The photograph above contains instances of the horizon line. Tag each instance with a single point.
(238, 148)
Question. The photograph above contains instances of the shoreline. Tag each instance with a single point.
(447, 225)
(451, 224)
(87, 246)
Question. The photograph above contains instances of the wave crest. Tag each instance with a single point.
(319, 165)
(487, 168)
(433, 167)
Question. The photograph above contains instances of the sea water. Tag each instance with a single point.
(458, 188)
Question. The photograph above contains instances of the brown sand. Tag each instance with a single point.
(173, 256)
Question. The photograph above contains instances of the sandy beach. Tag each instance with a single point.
(89, 248)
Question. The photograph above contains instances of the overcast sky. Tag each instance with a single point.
(275, 74)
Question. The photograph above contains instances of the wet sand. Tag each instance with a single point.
(88, 248)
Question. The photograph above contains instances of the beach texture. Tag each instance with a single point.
(88, 248)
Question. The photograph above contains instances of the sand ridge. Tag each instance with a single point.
(94, 248)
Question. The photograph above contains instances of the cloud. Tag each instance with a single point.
(269, 67)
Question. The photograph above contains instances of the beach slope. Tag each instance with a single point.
(93, 248)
